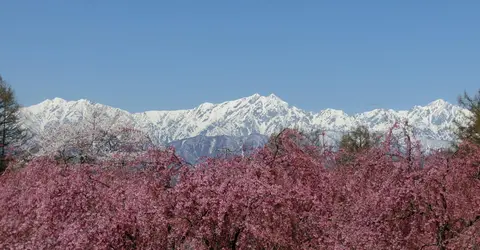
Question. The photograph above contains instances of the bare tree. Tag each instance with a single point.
(11, 133)
(95, 137)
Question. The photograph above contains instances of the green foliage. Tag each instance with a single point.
(471, 129)
(358, 139)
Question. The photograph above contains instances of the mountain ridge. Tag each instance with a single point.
(59, 100)
(244, 116)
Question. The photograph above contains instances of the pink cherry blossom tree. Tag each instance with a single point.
(288, 195)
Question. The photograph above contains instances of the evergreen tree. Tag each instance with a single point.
(469, 130)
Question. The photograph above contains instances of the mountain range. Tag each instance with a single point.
(207, 129)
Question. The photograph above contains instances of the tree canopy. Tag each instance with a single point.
(359, 139)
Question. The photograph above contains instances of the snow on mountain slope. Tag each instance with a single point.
(51, 113)
(193, 148)
(254, 114)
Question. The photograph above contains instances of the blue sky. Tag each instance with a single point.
(163, 55)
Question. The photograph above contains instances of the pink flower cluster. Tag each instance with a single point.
(287, 195)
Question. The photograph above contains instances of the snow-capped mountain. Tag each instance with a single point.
(240, 118)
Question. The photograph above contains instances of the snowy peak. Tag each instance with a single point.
(438, 103)
(49, 102)
(273, 98)
(270, 100)
(57, 100)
